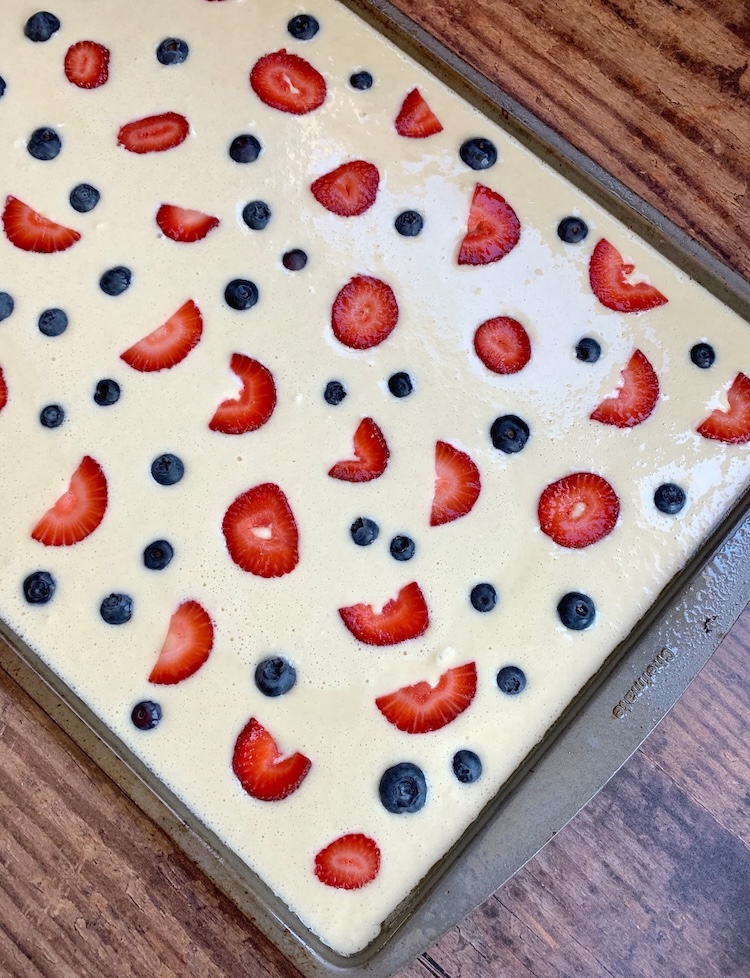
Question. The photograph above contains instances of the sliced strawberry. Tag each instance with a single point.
(183, 224)
(261, 532)
(457, 484)
(364, 313)
(415, 119)
(155, 133)
(349, 862)
(349, 190)
(493, 229)
(402, 618)
(169, 343)
(260, 768)
(371, 455)
(733, 425)
(255, 403)
(607, 275)
(503, 345)
(79, 511)
(635, 399)
(578, 510)
(87, 64)
(288, 83)
(28, 230)
(422, 708)
(189, 641)
(3, 390)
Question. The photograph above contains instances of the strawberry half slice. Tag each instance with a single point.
(635, 399)
(261, 532)
(733, 425)
(415, 119)
(87, 64)
(79, 511)
(183, 224)
(255, 403)
(28, 230)
(260, 768)
(607, 275)
(169, 343)
(371, 455)
(154, 134)
(503, 345)
(349, 190)
(190, 638)
(404, 617)
(578, 510)
(288, 83)
(3, 390)
(457, 484)
(364, 313)
(349, 862)
(493, 229)
(423, 708)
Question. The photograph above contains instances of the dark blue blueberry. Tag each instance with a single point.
(158, 554)
(116, 281)
(172, 51)
(44, 144)
(256, 215)
(41, 26)
(703, 355)
(577, 611)
(361, 80)
(334, 393)
(478, 153)
(402, 548)
(146, 715)
(409, 224)
(84, 198)
(167, 469)
(241, 294)
(2, 86)
(466, 766)
(364, 531)
(7, 305)
(39, 587)
(572, 230)
(244, 149)
(294, 260)
(483, 597)
(303, 27)
(400, 384)
(669, 498)
(509, 434)
(588, 350)
(403, 788)
(107, 392)
(52, 322)
(116, 609)
(511, 680)
(52, 416)
(275, 676)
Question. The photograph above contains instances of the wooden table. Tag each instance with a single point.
(653, 878)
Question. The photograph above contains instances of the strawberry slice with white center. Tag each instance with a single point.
(457, 484)
(608, 277)
(423, 708)
(415, 119)
(87, 64)
(190, 638)
(255, 403)
(349, 862)
(28, 230)
(635, 399)
(492, 231)
(733, 425)
(262, 771)
(503, 345)
(154, 134)
(261, 532)
(349, 190)
(183, 224)
(578, 510)
(371, 455)
(79, 511)
(288, 83)
(403, 618)
(364, 313)
(168, 344)
(3, 390)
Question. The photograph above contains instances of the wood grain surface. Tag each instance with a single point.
(653, 877)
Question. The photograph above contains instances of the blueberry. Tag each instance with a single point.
(2, 86)
(107, 392)
(167, 469)
(588, 350)
(511, 680)
(158, 554)
(669, 498)
(572, 230)
(403, 788)
(334, 393)
(244, 149)
(146, 715)
(84, 198)
(241, 294)
(400, 384)
(478, 153)
(364, 531)
(275, 676)
(303, 27)
(44, 144)
(466, 766)
(256, 215)
(41, 26)
(116, 281)
(39, 587)
(509, 434)
(361, 80)
(52, 416)
(52, 322)
(577, 611)
(172, 51)
(7, 305)
(703, 355)
(483, 597)
(116, 609)
(294, 260)
(402, 548)
(409, 224)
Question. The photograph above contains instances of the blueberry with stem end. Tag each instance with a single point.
(157, 555)
(466, 766)
(478, 153)
(167, 469)
(364, 531)
(402, 548)
(84, 198)
(572, 230)
(669, 498)
(275, 676)
(116, 280)
(334, 393)
(703, 355)
(588, 350)
(256, 215)
(577, 611)
(403, 788)
(146, 715)
(172, 51)
(511, 680)
(244, 148)
(44, 144)
(39, 587)
(409, 224)
(116, 609)
(400, 384)
(303, 27)
(483, 597)
(241, 294)
(509, 434)
(52, 322)
(52, 416)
